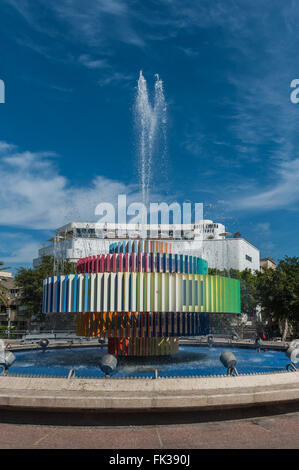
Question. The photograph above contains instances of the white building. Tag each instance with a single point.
(203, 238)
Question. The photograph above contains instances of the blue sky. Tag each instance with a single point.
(67, 138)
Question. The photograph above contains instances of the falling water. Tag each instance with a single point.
(150, 122)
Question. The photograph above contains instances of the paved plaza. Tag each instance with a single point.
(259, 432)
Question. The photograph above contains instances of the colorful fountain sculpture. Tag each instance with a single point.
(141, 297)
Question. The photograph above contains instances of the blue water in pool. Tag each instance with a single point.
(191, 360)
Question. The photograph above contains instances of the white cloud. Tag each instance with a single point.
(115, 78)
(92, 63)
(36, 196)
(283, 193)
(93, 24)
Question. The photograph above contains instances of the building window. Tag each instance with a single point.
(248, 258)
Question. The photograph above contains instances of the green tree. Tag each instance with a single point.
(31, 282)
(278, 292)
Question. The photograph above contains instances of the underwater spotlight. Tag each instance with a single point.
(108, 364)
(258, 344)
(43, 343)
(229, 361)
(292, 352)
(7, 358)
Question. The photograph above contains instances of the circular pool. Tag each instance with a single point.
(190, 361)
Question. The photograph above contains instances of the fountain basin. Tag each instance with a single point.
(189, 361)
(141, 392)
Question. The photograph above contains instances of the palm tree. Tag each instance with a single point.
(4, 292)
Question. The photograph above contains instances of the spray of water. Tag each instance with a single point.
(150, 122)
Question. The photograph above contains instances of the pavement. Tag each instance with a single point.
(268, 432)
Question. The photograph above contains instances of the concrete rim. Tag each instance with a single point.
(163, 394)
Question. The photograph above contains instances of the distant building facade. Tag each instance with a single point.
(267, 263)
(204, 238)
(13, 315)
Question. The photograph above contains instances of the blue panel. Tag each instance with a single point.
(204, 324)
(51, 293)
(123, 296)
(184, 291)
(57, 294)
(190, 292)
(86, 296)
(190, 265)
(158, 263)
(186, 264)
(160, 321)
(75, 292)
(181, 263)
(130, 291)
(196, 292)
(172, 324)
(66, 285)
(176, 263)
(201, 292)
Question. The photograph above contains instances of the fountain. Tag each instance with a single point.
(141, 297)
(150, 122)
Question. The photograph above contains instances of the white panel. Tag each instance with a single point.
(70, 293)
(49, 293)
(134, 292)
(178, 292)
(126, 303)
(92, 306)
(61, 300)
(156, 292)
(119, 292)
(149, 277)
(99, 281)
(142, 293)
(80, 293)
(105, 292)
(112, 292)
(54, 293)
